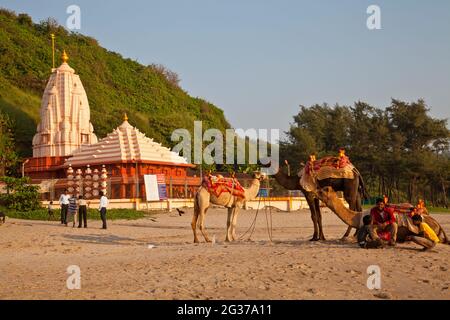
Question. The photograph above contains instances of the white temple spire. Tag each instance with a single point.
(65, 115)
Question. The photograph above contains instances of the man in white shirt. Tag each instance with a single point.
(102, 208)
(64, 203)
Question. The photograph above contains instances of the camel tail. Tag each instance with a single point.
(362, 185)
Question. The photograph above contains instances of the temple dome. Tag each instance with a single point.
(64, 115)
(125, 144)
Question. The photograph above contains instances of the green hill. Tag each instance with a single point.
(114, 85)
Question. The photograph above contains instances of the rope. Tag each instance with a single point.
(269, 225)
(252, 225)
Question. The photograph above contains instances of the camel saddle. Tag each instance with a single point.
(325, 168)
(218, 184)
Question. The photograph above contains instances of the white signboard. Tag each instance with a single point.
(151, 187)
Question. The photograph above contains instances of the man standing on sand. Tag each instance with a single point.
(383, 219)
(82, 211)
(64, 203)
(102, 208)
(73, 208)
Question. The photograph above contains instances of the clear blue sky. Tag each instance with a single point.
(258, 60)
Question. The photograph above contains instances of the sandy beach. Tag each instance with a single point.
(154, 258)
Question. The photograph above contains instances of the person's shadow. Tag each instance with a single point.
(102, 239)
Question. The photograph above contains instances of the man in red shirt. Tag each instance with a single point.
(383, 219)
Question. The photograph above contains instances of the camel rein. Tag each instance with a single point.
(269, 225)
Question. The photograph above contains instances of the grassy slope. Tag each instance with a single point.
(113, 84)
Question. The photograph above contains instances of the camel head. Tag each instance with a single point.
(327, 195)
(259, 175)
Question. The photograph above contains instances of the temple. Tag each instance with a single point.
(65, 142)
(65, 116)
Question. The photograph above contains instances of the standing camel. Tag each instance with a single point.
(353, 190)
(203, 199)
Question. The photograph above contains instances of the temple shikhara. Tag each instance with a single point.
(65, 145)
(65, 116)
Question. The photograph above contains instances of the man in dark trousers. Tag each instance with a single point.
(383, 219)
(82, 211)
(64, 203)
(102, 208)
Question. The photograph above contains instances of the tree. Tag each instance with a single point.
(401, 151)
(8, 156)
(25, 19)
(20, 196)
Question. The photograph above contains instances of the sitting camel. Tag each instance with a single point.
(203, 199)
(354, 219)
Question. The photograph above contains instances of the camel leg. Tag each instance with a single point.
(319, 219)
(202, 224)
(197, 209)
(347, 233)
(312, 208)
(194, 224)
(354, 202)
(233, 223)
(229, 222)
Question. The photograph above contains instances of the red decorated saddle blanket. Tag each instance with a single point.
(218, 185)
(325, 168)
(334, 162)
(402, 208)
(330, 167)
(408, 209)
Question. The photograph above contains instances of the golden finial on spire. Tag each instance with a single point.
(53, 49)
(125, 117)
(64, 56)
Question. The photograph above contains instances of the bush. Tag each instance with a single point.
(93, 214)
(25, 19)
(20, 195)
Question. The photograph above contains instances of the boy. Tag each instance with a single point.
(73, 209)
(50, 210)
(367, 237)
(427, 238)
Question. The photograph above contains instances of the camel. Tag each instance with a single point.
(353, 189)
(354, 219)
(203, 199)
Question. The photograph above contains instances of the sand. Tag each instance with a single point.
(154, 258)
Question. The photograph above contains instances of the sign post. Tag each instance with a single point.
(155, 187)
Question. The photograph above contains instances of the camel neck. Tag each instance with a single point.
(349, 217)
(288, 182)
(253, 190)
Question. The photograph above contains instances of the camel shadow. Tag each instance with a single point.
(102, 239)
(168, 227)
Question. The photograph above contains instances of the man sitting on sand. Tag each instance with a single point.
(427, 238)
(383, 219)
(367, 237)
